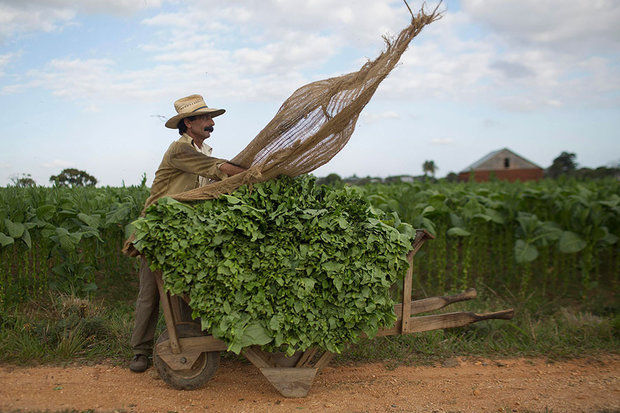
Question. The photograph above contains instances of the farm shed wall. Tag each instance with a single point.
(504, 165)
(504, 175)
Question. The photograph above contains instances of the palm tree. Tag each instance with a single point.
(429, 166)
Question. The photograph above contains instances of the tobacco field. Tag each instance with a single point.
(554, 238)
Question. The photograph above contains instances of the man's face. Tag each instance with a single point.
(196, 128)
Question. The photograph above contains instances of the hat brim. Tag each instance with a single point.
(173, 122)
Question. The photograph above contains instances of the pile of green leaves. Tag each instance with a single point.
(285, 264)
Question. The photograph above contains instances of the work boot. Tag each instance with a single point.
(139, 363)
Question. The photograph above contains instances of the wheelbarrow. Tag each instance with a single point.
(187, 358)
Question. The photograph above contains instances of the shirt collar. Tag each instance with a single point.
(206, 149)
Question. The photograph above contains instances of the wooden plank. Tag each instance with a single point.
(422, 306)
(257, 357)
(181, 361)
(192, 348)
(389, 331)
(436, 303)
(450, 320)
(421, 235)
(168, 316)
(190, 344)
(290, 381)
(280, 359)
(324, 360)
(425, 305)
(175, 306)
(307, 357)
(405, 314)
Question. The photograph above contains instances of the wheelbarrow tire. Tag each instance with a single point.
(201, 372)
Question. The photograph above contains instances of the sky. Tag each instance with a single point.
(89, 84)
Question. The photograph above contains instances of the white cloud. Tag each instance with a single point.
(57, 163)
(24, 16)
(442, 141)
(6, 59)
(372, 117)
(88, 79)
(358, 21)
(263, 50)
(577, 26)
(457, 60)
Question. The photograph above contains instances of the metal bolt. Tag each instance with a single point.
(183, 360)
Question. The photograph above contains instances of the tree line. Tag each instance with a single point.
(565, 165)
(67, 177)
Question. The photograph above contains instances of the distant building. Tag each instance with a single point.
(505, 165)
(399, 178)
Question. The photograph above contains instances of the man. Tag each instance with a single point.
(185, 163)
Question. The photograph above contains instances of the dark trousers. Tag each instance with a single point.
(147, 311)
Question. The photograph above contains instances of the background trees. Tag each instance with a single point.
(23, 181)
(73, 177)
(562, 165)
(429, 167)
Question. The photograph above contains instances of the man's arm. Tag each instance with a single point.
(230, 169)
(186, 158)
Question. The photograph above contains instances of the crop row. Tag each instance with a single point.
(552, 236)
(60, 238)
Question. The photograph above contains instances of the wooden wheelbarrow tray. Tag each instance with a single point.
(181, 359)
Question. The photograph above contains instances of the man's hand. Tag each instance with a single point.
(230, 169)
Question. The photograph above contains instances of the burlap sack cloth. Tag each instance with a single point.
(312, 125)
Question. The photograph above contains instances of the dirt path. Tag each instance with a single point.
(517, 385)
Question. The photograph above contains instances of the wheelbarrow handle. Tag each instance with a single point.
(435, 303)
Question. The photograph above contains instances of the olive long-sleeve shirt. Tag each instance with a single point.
(181, 168)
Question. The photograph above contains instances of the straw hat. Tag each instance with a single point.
(192, 105)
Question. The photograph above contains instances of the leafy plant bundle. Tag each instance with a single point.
(285, 264)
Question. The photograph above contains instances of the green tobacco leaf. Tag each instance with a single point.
(92, 221)
(456, 220)
(610, 239)
(495, 216)
(68, 241)
(255, 334)
(15, 229)
(571, 243)
(129, 229)
(525, 252)
(5, 240)
(26, 238)
(458, 232)
(231, 199)
(46, 212)
(272, 265)
(529, 223)
(550, 231)
(119, 214)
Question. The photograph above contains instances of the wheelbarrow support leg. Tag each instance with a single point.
(175, 348)
(289, 381)
(420, 237)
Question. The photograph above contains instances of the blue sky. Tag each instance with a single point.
(89, 84)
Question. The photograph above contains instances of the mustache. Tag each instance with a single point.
(209, 129)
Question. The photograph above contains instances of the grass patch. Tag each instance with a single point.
(65, 328)
(541, 327)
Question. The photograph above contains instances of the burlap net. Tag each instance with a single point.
(312, 125)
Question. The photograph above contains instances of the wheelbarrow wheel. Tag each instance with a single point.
(201, 371)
